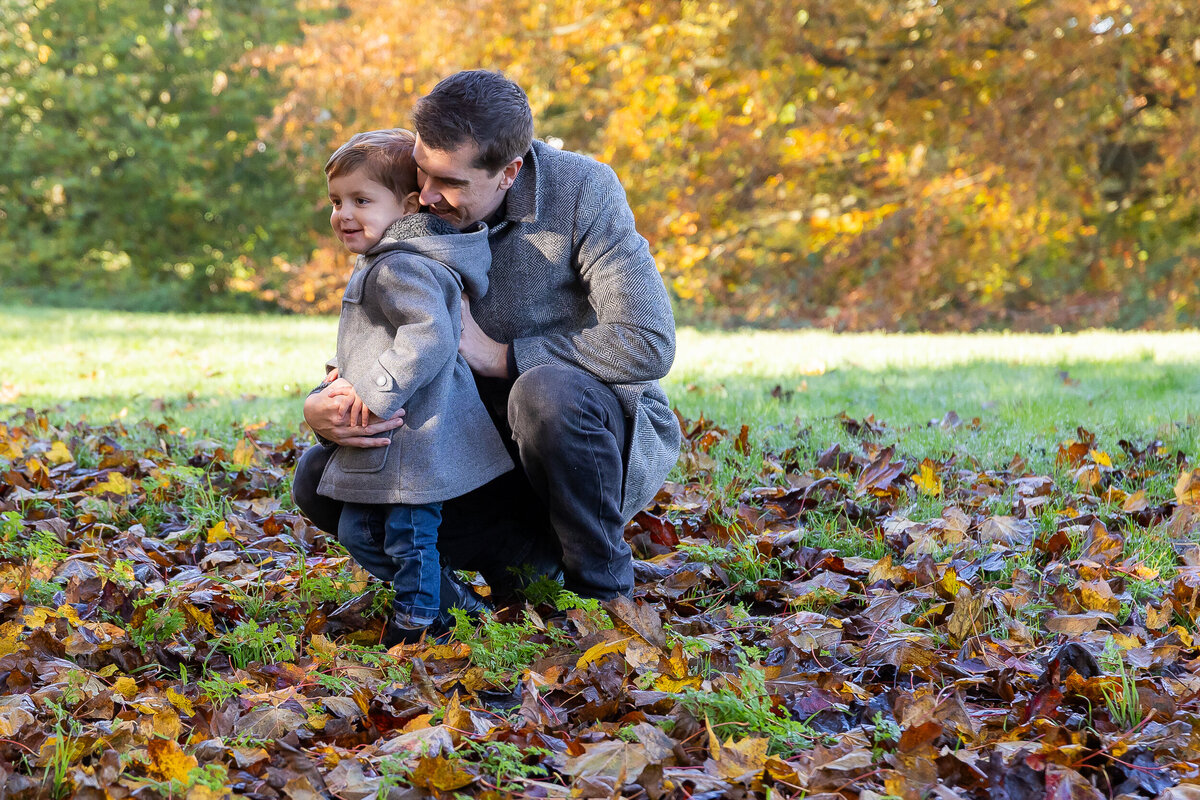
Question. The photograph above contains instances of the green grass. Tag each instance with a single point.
(211, 374)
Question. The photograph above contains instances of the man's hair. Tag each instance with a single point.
(479, 106)
(387, 156)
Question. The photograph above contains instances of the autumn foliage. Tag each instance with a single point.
(863, 164)
(853, 164)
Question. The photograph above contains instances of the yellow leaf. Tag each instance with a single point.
(179, 701)
(927, 480)
(59, 454)
(201, 617)
(10, 633)
(219, 532)
(737, 760)
(243, 453)
(166, 723)
(38, 617)
(596, 652)
(126, 687)
(70, 615)
(1135, 502)
(1100, 457)
(320, 647)
(1187, 488)
(114, 483)
(664, 683)
(168, 762)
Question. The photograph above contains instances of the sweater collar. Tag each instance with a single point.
(521, 202)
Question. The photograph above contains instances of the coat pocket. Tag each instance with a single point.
(363, 459)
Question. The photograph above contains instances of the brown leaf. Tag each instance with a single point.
(637, 617)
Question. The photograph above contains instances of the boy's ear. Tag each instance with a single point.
(412, 203)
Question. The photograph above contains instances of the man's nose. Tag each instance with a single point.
(429, 196)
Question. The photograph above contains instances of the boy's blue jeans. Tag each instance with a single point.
(398, 543)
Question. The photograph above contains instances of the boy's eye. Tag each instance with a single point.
(362, 201)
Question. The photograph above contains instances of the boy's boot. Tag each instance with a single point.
(456, 594)
(395, 633)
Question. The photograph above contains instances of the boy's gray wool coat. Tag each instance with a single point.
(398, 347)
(572, 282)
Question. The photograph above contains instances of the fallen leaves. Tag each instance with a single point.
(168, 625)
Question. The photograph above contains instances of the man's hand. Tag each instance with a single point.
(483, 354)
(328, 413)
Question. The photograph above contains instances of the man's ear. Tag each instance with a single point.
(509, 173)
(411, 204)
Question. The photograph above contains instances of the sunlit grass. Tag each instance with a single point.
(216, 372)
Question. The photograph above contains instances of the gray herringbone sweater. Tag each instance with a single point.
(398, 347)
(572, 282)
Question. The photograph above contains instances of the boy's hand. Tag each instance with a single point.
(359, 413)
(328, 412)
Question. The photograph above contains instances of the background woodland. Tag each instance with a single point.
(860, 164)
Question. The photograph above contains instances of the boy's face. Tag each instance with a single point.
(456, 191)
(362, 210)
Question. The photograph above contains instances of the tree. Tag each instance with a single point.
(856, 163)
(132, 160)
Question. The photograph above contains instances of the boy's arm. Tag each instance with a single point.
(414, 302)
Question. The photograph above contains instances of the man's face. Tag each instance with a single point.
(455, 190)
(362, 210)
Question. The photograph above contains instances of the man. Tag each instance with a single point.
(567, 347)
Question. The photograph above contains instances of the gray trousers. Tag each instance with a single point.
(559, 509)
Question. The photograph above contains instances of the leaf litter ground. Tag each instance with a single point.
(814, 623)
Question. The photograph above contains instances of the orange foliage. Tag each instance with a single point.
(864, 164)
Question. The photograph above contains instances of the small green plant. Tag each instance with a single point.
(504, 762)
(40, 592)
(158, 625)
(1124, 706)
(749, 709)
(885, 736)
(498, 648)
(212, 776)
(119, 572)
(593, 612)
(336, 684)
(37, 546)
(744, 566)
(219, 688)
(394, 771)
(250, 641)
(67, 748)
(394, 671)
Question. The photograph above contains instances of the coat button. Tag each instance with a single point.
(381, 381)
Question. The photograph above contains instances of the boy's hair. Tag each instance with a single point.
(387, 156)
(483, 107)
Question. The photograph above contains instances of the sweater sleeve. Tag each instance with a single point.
(425, 336)
(633, 339)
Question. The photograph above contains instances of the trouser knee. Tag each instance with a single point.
(551, 407)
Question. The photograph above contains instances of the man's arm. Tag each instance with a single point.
(633, 339)
(327, 413)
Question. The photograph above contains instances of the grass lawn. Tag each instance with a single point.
(213, 374)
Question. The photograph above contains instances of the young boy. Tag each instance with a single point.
(397, 347)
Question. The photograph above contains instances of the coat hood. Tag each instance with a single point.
(465, 253)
